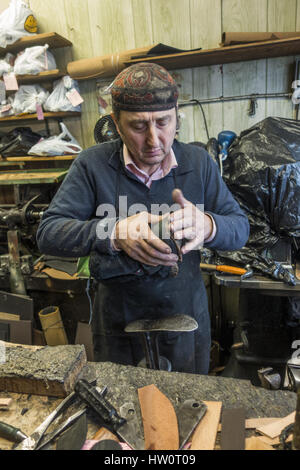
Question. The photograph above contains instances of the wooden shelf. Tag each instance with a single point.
(224, 55)
(30, 158)
(49, 75)
(44, 176)
(54, 41)
(31, 117)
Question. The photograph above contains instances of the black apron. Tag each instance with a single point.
(117, 304)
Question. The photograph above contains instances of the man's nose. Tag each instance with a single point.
(152, 136)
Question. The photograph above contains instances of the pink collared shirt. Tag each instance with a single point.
(164, 169)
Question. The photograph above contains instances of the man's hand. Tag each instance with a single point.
(134, 236)
(189, 223)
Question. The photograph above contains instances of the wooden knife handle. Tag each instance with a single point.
(103, 434)
(231, 269)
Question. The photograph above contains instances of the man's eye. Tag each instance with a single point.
(138, 127)
(162, 123)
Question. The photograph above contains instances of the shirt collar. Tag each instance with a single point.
(164, 169)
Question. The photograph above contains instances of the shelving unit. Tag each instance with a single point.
(25, 161)
(39, 159)
(30, 117)
(225, 55)
(47, 76)
(35, 175)
(42, 176)
(54, 41)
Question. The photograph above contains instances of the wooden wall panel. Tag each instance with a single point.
(171, 25)
(206, 32)
(98, 27)
(51, 16)
(281, 17)
(244, 77)
(3, 5)
(142, 19)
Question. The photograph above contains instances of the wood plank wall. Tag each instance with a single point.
(98, 27)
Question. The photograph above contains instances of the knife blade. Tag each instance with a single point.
(189, 415)
(96, 400)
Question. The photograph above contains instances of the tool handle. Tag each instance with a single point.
(99, 404)
(224, 268)
(213, 267)
(231, 269)
(11, 433)
(103, 434)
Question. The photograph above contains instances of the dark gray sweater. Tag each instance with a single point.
(68, 227)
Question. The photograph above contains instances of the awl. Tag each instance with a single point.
(223, 268)
(124, 428)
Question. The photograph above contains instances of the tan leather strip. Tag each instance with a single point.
(159, 420)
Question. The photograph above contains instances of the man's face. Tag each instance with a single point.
(148, 136)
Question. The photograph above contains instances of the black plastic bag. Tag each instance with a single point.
(21, 139)
(262, 171)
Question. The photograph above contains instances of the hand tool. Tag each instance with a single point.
(223, 268)
(67, 424)
(106, 444)
(128, 412)
(31, 442)
(75, 436)
(189, 416)
(269, 379)
(247, 274)
(104, 434)
(96, 400)
(11, 433)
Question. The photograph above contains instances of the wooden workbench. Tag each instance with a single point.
(123, 382)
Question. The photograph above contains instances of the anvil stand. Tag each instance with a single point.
(150, 329)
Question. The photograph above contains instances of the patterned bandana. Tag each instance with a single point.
(144, 87)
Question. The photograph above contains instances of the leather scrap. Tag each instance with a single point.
(159, 420)
(233, 429)
(205, 434)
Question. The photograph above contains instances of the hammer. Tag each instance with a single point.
(224, 268)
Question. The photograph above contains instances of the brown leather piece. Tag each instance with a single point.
(159, 420)
(103, 434)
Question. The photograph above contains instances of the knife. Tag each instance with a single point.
(105, 410)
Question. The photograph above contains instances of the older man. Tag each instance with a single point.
(108, 205)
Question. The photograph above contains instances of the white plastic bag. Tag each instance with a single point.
(7, 64)
(28, 97)
(58, 100)
(62, 144)
(16, 21)
(6, 107)
(34, 60)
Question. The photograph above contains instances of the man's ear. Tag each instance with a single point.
(115, 122)
(177, 118)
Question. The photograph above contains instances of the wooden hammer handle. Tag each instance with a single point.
(231, 269)
(224, 268)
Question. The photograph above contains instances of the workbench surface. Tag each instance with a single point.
(123, 381)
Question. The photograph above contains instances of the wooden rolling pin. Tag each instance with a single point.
(223, 268)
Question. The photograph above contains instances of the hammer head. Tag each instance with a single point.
(248, 274)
